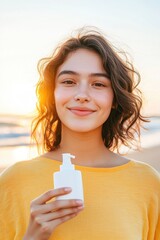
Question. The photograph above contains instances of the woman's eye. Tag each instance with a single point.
(98, 84)
(68, 82)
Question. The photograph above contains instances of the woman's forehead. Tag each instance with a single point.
(82, 60)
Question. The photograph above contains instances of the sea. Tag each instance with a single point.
(15, 142)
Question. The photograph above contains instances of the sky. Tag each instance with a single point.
(30, 30)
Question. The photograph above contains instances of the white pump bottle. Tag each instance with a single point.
(69, 177)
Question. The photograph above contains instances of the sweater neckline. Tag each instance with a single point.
(92, 169)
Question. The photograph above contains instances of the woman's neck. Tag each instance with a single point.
(83, 142)
(87, 147)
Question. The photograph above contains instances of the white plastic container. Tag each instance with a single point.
(69, 177)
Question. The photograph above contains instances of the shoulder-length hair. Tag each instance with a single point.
(123, 125)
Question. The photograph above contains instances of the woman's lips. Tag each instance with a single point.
(81, 112)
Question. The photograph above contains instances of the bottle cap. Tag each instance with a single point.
(67, 164)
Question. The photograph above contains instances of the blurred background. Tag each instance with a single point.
(30, 30)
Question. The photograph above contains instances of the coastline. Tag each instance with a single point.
(149, 155)
(15, 144)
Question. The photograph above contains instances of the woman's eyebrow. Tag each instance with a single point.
(67, 72)
(99, 75)
(77, 74)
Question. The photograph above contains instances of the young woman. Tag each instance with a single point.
(88, 105)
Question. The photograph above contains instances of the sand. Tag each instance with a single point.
(149, 155)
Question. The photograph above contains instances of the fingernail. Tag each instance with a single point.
(80, 208)
(67, 189)
(80, 202)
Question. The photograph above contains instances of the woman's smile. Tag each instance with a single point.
(81, 111)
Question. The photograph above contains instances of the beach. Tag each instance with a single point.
(150, 155)
(15, 144)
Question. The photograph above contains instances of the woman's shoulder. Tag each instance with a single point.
(145, 172)
(20, 168)
(29, 168)
(15, 169)
(146, 167)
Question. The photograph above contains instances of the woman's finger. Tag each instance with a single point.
(53, 224)
(51, 194)
(58, 214)
(54, 206)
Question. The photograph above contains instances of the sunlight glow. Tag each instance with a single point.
(29, 33)
(21, 99)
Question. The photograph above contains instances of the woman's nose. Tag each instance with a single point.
(82, 95)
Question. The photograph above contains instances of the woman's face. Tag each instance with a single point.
(83, 92)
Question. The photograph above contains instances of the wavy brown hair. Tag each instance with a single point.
(123, 124)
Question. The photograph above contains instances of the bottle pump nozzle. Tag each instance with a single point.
(67, 164)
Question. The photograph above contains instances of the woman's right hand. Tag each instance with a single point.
(46, 216)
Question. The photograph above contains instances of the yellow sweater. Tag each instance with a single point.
(121, 203)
